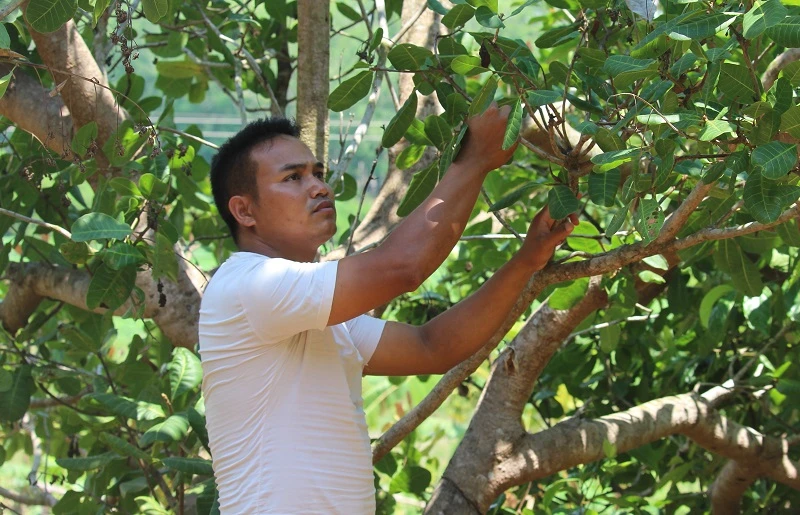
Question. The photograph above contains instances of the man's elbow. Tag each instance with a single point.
(411, 277)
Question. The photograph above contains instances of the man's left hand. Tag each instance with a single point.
(544, 235)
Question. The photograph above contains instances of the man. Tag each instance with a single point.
(284, 341)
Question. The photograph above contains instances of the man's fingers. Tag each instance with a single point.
(574, 219)
(560, 232)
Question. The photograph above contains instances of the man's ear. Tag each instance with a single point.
(240, 207)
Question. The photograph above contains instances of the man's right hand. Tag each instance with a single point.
(483, 142)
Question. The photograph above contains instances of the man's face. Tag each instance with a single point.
(294, 211)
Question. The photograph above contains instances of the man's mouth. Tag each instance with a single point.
(324, 206)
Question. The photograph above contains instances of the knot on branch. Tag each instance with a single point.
(21, 299)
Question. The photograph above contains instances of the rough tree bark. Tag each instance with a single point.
(312, 74)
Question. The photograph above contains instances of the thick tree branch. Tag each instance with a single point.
(66, 54)
(32, 282)
(31, 108)
(730, 485)
(779, 63)
(35, 497)
(678, 218)
(579, 441)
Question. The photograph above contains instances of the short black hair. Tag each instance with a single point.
(233, 172)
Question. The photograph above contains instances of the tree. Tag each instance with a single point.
(649, 366)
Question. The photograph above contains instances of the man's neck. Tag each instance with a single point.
(257, 246)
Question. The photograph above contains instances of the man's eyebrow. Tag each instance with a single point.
(300, 166)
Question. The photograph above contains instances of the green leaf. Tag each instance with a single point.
(5, 80)
(626, 70)
(616, 221)
(413, 479)
(87, 463)
(78, 337)
(763, 15)
(542, 97)
(790, 121)
(515, 195)
(744, 273)
(124, 187)
(123, 144)
(786, 33)
(569, 294)
(488, 18)
(789, 233)
(184, 372)
(438, 131)
(703, 27)
(562, 202)
(163, 258)
(152, 188)
(6, 381)
(128, 408)
(123, 448)
(683, 65)
(409, 156)
(716, 128)
(84, 138)
(77, 253)
(614, 159)
(421, 186)
(350, 91)
(171, 430)
(709, 300)
(408, 57)
(735, 82)
(197, 420)
(484, 98)
(603, 187)
(48, 15)
(196, 466)
(98, 226)
(458, 16)
(467, 65)
(400, 122)
(648, 219)
(558, 36)
(15, 400)
(5, 40)
(513, 126)
(437, 7)
(120, 255)
(348, 12)
(155, 10)
(649, 276)
(775, 158)
(766, 199)
(110, 288)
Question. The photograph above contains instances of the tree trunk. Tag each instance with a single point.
(313, 57)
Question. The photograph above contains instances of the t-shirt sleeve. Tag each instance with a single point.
(282, 298)
(365, 332)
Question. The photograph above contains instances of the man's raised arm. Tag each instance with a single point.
(416, 248)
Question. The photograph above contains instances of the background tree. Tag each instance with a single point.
(649, 367)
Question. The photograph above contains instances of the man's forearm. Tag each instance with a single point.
(429, 233)
(460, 331)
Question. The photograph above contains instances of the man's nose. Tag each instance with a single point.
(320, 188)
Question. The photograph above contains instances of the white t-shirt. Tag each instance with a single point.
(282, 391)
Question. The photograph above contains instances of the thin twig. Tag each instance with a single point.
(361, 201)
(5, 11)
(189, 136)
(41, 223)
(500, 218)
